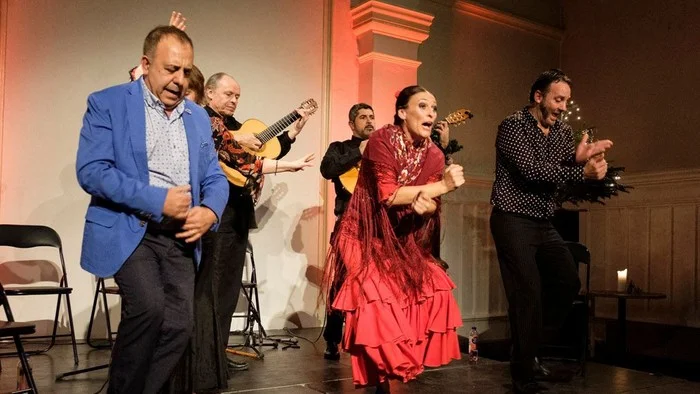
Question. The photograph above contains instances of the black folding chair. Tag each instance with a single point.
(12, 329)
(581, 307)
(104, 290)
(29, 236)
(571, 344)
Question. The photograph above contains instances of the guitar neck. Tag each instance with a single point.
(272, 131)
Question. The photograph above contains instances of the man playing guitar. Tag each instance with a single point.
(340, 158)
(223, 257)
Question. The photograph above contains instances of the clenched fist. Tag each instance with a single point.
(177, 202)
(453, 177)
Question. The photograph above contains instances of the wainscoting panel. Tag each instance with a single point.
(654, 232)
(468, 248)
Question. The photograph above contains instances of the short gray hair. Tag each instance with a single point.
(213, 81)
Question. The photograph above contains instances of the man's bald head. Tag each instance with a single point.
(222, 93)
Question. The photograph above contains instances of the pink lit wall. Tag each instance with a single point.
(344, 82)
(58, 52)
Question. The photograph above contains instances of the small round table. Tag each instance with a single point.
(622, 298)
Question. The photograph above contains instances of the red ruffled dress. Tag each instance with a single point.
(400, 314)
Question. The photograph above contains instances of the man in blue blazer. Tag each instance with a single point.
(147, 158)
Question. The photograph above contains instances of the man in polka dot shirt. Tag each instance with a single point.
(536, 152)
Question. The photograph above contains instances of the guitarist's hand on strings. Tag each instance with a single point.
(249, 141)
(198, 221)
(443, 128)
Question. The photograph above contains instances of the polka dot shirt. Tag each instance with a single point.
(531, 165)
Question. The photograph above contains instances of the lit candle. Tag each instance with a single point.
(622, 280)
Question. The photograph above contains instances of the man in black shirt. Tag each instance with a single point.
(536, 152)
(227, 259)
(339, 158)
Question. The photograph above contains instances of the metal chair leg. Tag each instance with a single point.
(55, 323)
(25, 364)
(92, 316)
(72, 330)
(108, 319)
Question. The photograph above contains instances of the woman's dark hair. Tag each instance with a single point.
(547, 78)
(196, 84)
(402, 100)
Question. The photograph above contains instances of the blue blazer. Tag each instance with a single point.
(113, 168)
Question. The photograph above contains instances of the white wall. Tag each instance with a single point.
(58, 52)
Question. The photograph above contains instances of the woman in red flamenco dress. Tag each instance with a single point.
(400, 314)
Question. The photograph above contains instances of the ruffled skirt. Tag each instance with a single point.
(391, 335)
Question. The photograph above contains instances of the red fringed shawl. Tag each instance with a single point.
(395, 240)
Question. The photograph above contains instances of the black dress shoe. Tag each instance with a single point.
(331, 352)
(527, 386)
(237, 365)
(544, 374)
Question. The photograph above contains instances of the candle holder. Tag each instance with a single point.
(632, 288)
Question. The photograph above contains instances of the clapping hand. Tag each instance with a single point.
(585, 151)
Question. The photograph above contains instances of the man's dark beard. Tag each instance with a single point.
(545, 114)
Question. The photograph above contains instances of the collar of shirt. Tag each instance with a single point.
(229, 121)
(211, 112)
(532, 121)
(154, 103)
(355, 140)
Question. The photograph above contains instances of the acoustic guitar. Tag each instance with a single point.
(349, 178)
(270, 145)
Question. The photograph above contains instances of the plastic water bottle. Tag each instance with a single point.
(473, 351)
(22, 383)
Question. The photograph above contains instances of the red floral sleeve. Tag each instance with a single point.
(234, 156)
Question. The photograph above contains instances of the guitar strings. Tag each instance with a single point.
(273, 130)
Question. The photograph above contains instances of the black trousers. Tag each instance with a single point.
(334, 319)
(217, 289)
(157, 287)
(540, 280)
(231, 251)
